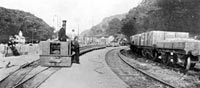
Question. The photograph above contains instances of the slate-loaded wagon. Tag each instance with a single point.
(171, 47)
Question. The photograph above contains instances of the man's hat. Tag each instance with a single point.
(64, 21)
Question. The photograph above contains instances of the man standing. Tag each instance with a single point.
(61, 34)
(76, 46)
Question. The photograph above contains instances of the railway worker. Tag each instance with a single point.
(76, 46)
(61, 35)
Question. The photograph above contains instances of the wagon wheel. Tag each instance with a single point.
(146, 54)
(150, 55)
(165, 59)
(143, 53)
(132, 48)
(135, 50)
(192, 65)
(171, 60)
(175, 59)
(138, 51)
(188, 63)
(155, 55)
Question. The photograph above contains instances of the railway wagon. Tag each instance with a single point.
(170, 47)
(55, 53)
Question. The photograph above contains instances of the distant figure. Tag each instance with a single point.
(75, 48)
(11, 45)
(11, 41)
(73, 34)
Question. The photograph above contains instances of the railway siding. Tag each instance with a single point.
(129, 75)
(167, 75)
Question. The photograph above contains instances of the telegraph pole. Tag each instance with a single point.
(78, 30)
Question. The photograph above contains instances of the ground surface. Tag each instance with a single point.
(93, 72)
(15, 63)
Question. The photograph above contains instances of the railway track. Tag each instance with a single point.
(31, 75)
(133, 76)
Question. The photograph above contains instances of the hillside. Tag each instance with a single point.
(12, 21)
(100, 29)
(167, 15)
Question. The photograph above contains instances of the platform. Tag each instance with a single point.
(93, 72)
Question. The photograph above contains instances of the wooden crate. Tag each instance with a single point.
(53, 60)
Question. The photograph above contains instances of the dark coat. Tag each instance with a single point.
(75, 46)
(61, 35)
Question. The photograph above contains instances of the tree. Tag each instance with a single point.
(164, 15)
(12, 21)
(181, 15)
(114, 26)
(128, 27)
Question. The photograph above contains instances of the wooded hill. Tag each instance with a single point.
(166, 15)
(105, 27)
(12, 21)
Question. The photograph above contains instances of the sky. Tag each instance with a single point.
(80, 14)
